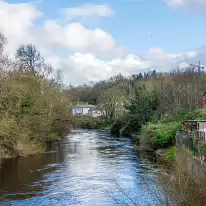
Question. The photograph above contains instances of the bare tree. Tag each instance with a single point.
(47, 70)
(111, 102)
(3, 58)
(30, 59)
(180, 90)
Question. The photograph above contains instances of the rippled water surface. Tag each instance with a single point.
(86, 168)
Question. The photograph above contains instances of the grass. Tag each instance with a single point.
(186, 182)
(170, 154)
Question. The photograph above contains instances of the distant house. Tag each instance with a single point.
(87, 110)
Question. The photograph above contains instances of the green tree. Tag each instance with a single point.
(141, 108)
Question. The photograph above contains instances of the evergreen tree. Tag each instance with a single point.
(141, 108)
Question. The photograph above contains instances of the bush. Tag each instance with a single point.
(122, 126)
(116, 126)
(15, 139)
(170, 154)
(159, 135)
(87, 122)
(104, 125)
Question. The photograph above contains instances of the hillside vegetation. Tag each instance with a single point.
(148, 107)
(33, 108)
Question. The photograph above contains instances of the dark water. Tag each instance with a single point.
(87, 168)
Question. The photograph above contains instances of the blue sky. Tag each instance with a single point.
(137, 26)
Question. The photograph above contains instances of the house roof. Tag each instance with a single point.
(84, 106)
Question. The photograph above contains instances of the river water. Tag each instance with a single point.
(86, 168)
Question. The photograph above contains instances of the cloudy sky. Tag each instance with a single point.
(93, 40)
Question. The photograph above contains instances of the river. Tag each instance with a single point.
(86, 168)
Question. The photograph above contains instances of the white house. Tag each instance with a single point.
(88, 110)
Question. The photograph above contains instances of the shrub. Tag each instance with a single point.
(87, 122)
(159, 135)
(15, 139)
(170, 154)
(104, 125)
(116, 126)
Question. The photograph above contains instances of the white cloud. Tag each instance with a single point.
(175, 2)
(76, 37)
(16, 21)
(81, 68)
(192, 5)
(80, 51)
(86, 67)
(88, 11)
(17, 24)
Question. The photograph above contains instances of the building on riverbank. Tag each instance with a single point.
(197, 128)
(193, 136)
(86, 110)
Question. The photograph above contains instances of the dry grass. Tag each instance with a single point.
(186, 185)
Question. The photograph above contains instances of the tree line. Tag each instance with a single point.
(151, 104)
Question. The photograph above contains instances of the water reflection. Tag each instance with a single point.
(87, 168)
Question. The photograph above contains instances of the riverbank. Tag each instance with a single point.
(187, 174)
(187, 178)
(155, 134)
